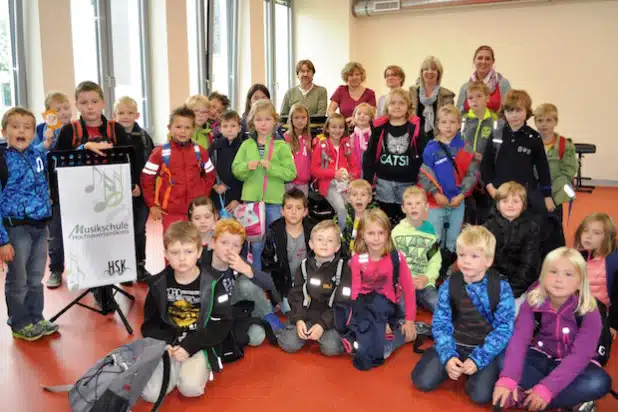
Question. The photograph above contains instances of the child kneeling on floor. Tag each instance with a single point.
(548, 362)
(472, 323)
(190, 310)
(322, 280)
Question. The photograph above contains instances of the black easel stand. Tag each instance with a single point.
(112, 290)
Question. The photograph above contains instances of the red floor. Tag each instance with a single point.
(266, 380)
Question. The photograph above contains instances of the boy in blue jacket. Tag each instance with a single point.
(25, 208)
(472, 323)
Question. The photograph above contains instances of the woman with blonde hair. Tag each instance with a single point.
(349, 95)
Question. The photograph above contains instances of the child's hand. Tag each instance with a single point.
(339, 175)
(178, 353)
(478, 156)
(220, 189)
(534, 402)
(501, 396)
(265, 164)
(469, 367)
(49, 133)
(454, 368)
(97, 147)
(420, 281)
(441, 200)
(239, 265)
(349, 121)
(549, 204)
(232, 205)
(301, 329)
(612, 332)
(316, 332)
(456, 201)
(252, 165)
(389, 331)
(491, 190)
(156, 213)
(7, 253)
(49, 139)
(409, 330)
(136, 191)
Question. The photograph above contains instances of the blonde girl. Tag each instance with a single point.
(264, 163)
(549, 360)
(203, 215)
(298, 137)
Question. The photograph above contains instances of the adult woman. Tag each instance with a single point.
(349, 95)
(428, 96)
(394, 77)
(484, 60)
(312, 96)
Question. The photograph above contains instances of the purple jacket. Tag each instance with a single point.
(558, 338)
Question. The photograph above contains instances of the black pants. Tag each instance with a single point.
(140, 217)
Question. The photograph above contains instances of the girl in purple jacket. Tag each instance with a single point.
(548, 360)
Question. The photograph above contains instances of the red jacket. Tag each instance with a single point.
(324, 165)
(174, 187)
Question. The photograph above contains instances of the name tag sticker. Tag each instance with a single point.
(315, 282)
(346, 291)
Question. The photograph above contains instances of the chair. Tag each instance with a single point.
(581, 149)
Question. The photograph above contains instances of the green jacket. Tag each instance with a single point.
(478, 133)
(203, 136)
(282, 169)
(562, 170)
(421, 249)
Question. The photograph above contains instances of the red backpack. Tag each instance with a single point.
(78, 132)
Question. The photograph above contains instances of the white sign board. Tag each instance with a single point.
(96, 210)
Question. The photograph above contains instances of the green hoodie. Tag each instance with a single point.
(202, 135)
(562, 170)
(282, 169)
(420, 247)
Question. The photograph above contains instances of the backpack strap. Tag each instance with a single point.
(303, 270)
(497, 139)
(456, 283)
(165, 383)
(561, 146)
(166, 152)
(493, 290)
(78, 133)
(538, 317)
(337, 281)
(111, 131)
(447, 152)
(396, 264)
(4, 170)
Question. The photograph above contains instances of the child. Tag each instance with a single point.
(560, 153)
(517, 240)
(176, 172)
(477, 126)
(219, 103)
(318, 285)
(202, 133)
(227, 190)
(25, 208)
(334, 164)
(548, 360)
(595, 238)
(189, 309)
(298, 137)
(363, 116)
(473, 321)
(378, 287)
(449, 173)
(264, 163)
(287, 242)
(58, 102)
(516, 153)
(126, 114)
(203, 215)
(416, 239)
(360, 195)
(394, 152)
(225, 261)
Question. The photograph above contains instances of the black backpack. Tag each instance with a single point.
(456, 288)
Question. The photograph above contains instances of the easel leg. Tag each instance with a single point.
(69, 306)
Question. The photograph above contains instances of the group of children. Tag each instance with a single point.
(351, 284)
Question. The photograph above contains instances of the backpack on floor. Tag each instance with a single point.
(117, 380)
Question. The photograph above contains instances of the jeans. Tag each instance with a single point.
(337, 201)
(429, 373)
(273, 212)
(330, 341)
(447, 222)
(591, 384)
(388, 191)
(23, 287)
(56, 243)
(427, 298)
(140, 217)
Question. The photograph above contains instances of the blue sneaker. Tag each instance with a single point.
(273, 321)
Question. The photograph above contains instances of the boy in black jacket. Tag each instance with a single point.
(190, 310)
(227, 189)
(321, 281)
(287, 242)
(126, 114)
(517, 254)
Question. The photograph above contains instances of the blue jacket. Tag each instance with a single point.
(502, 322)
(26, 194)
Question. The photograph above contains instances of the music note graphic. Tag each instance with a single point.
(112, 190)
(90, 188)
(75, 275)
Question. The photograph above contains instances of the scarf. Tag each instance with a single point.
(428, 112)
(363, 137)
(491, 80)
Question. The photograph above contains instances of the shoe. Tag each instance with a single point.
(104, 298)
(49, 328)
(29, 332)
(586, 407)
(273, 321)
(142, 274)
(55, 280)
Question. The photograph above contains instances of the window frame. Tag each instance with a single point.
(270, 48)
(18, 52)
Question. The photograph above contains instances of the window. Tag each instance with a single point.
(211, 28)
(110, 47)
(12, 59)
(279, 54)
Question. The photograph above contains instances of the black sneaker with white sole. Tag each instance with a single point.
(54, 281)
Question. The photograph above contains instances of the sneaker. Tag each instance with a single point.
(29, 332)
(587, 407)
(273, 321)
(104, 298)
(49, 328)
(54, 281)
(142, 274)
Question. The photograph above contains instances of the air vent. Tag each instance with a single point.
(366, 8)
(384, 6)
